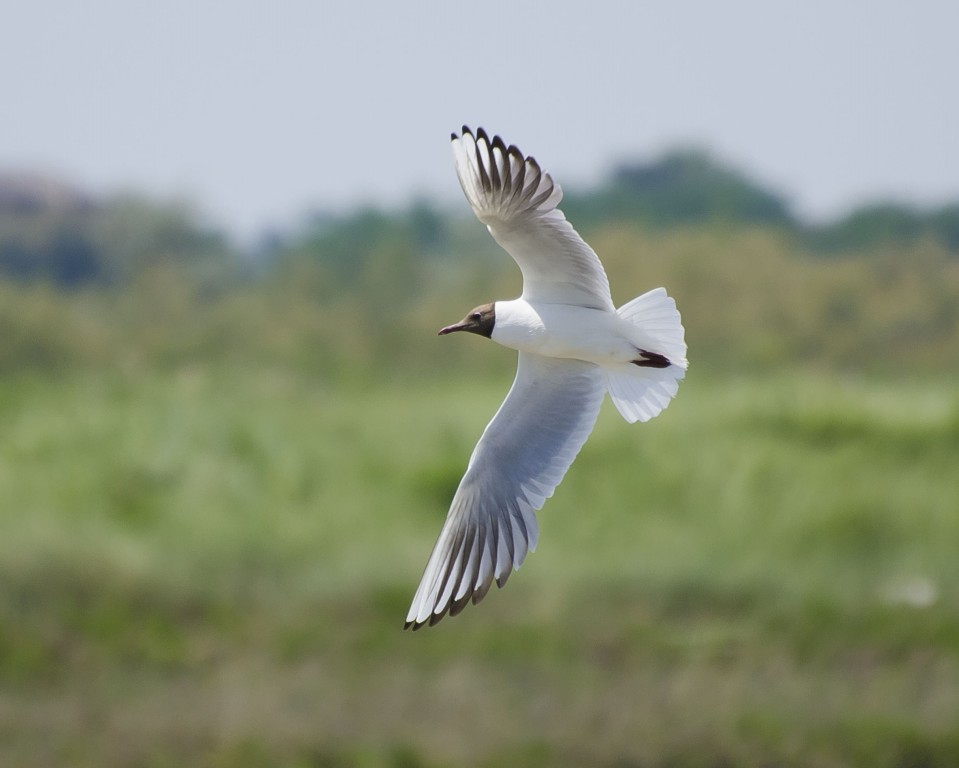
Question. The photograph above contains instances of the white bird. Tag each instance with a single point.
(574, 346)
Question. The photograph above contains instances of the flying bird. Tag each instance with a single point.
(574, 346)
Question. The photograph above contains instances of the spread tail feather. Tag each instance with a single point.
(642, 390)
(658, 326)
(639, 394)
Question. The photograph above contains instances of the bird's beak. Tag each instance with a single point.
(479, 321)
(461, 326)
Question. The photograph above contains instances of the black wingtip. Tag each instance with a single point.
(497, 141)
(432, 621)
(458, 605)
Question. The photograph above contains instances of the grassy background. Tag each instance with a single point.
(221, 477)
(210, 564)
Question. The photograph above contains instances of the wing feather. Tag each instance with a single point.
(517, 200)
(517, 464)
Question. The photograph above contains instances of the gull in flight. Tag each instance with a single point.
(574, 346)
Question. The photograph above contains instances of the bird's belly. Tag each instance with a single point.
(563, 331)
(594, 348)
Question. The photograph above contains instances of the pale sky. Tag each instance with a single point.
(260, 111)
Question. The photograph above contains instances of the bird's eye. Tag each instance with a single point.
(477, 316)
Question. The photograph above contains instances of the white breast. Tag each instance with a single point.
(562, 330)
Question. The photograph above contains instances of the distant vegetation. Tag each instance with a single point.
(85, 280)
(222, 469)
(53, 232)
(679, 189)
(689, 187)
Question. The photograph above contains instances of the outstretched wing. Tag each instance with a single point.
(520, 459)
(517, 202)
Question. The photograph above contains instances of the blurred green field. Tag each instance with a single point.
(211, 565)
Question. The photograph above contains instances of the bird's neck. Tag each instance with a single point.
(518, 324)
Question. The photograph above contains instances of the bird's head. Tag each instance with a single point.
(480, 320)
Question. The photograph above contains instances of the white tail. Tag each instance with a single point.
(638, 392)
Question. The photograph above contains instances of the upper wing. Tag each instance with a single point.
(520, 459)
(517, 201)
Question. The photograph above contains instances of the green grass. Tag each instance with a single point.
(212, 567)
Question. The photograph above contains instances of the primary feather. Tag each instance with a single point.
(517, 202)
(520, 459)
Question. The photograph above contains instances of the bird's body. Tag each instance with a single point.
(559, 330)
(574, 347)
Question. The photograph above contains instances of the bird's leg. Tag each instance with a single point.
(651, 360)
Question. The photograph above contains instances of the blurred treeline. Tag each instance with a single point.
(131, 281)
